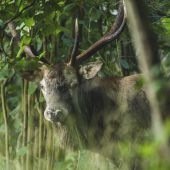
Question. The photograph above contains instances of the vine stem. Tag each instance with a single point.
(3, 85)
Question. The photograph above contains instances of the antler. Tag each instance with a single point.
(76, 45)
(17, 40)
(110, 36)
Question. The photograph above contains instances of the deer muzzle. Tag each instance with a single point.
(53, 116)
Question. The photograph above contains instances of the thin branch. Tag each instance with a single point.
(3, 85)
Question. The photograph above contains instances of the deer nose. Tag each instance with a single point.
(54, 115)
(49, 114)
(58, 114)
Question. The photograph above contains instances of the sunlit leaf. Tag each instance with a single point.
(42, 54)
(20, 64)
(32, 89)
(41, 99)
(25, 40)
(36, 105)
(22, 151)
(29, 22)
(140, 83)
(41, 159)
(60, 165)
(60, 28)
(15, 110)
(50, 16)
(20, 51)
(17, 123)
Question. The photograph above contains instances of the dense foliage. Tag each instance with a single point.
(49, 26)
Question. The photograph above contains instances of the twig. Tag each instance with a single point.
(3, 85)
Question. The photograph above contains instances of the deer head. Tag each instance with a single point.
(60, 84)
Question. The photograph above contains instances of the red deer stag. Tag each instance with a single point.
(90, 111)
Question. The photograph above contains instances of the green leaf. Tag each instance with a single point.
(17, 123)
(41, 159)
(68, 7)
(39, 17)
(29, 13)
(124, 63)
(49, 47)
(48, 30)
(48, 67)
(60, 28)
(101, 74)
(22, 151)
(10, 8)
(60, 166)
(13, 89)
(11, 41)
(15, 110)
(68, 43)
(3, 74)
(41, 99)
(140, 83)
(81, 22)
(32, 65)
(50, 16)
(20, 64)
(32, 89)
(95, 15)
(166, 23)
(38, 40)
(25, 40)
(2, 128)
(30, 143)
(29, 22)
(1, 64)
(50, 7)
(20, 51)
(5, 15)
(42, 54)
(65, 13)
(36, 105)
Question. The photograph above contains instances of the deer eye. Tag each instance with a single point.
(41, 86)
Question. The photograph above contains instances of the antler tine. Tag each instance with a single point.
(76, 45)
(17, 40)
(110, 36)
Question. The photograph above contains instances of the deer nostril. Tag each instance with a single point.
(58, 113)
(49, 113)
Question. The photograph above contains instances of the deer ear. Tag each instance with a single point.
(33, 76)
(89, 70)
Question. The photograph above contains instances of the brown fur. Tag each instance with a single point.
(106, 111)
(102, 112)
